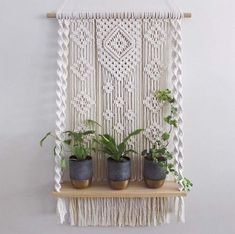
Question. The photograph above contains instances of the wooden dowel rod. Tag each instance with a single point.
(187, 15)
(52, 15)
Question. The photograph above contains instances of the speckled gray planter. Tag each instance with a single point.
(154, 175)
(119, 173)
(80, 172)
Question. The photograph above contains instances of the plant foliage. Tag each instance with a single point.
(116, 151)
(75, 143)
(160, 153)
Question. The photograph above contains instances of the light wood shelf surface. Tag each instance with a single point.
(134, 190)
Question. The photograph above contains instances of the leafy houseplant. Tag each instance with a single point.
(119, 165)
(157, 161)
(80, 161)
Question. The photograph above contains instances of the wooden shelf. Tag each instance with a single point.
(134, 190)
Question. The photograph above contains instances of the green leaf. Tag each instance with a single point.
(174, 123)
(67, 142)
(121, 148)
(164, 96)
(187, 184)
(165, 136)
(161, 151)
(80, 152)
(130, 151)
(67, 132)
(88, 132)
(167, 119)
(97, 141)
(77, 136)
(91, 123)
(109, 143)
(77, 151)
(134, 133)
(108, 151)
(170, 167)
(168, 155)
(63, 163)
(158, 142)
(144, 153)
(173, 110)
(111, 148)
(54, 150)
(109, 138)
(44, 138)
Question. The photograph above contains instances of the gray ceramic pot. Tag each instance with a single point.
(154, 175)
(119, 173)
(80, 172)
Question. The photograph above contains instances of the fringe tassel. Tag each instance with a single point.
(180, 209)
(181, 213)
(61, 209)
(120, 212)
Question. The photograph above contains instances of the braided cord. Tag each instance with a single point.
(177, 94)
(62, 74)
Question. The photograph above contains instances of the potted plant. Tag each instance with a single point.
(157, 160)
(118, 164)
(80, 161)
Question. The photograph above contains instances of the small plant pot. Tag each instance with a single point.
(154, 175)
(119, 173)
(80, 172)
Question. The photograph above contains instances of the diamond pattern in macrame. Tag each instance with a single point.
(119, 102)
(108, 87)
(108, 115)
(82, 103)
(81, 69)
(153, 132)
(119, 46)
(129, 86)
(81, 36)
(119, 128)
(118, 43)
(152, 104)
(156, 33)
(130, 115)
(155, 69)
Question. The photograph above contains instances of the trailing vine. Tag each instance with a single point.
(160, 152)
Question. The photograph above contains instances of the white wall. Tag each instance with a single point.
(27, 99)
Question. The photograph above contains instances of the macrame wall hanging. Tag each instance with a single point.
(109, 65)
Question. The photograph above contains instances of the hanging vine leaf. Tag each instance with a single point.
(44, 138)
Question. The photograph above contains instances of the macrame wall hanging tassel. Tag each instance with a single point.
(119, 212)
(114, 85)
(61, 92)
(72, 211)
(61, 210)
